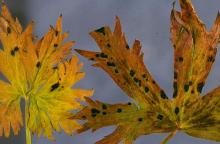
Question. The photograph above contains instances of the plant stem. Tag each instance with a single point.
(169, 137)
(28, 133)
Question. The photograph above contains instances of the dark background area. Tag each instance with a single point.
(146, 20)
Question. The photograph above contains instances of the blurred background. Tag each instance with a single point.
(146, 20)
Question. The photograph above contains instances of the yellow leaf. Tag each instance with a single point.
(39, 72)
(194, 54)
(195, 49)
(125, 66)
(131, 121)
(204, 117)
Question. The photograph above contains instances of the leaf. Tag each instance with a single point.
(126, 67)
(128, 118)
(204, 117)
(39, 72)
(194, 52)
(195, 49)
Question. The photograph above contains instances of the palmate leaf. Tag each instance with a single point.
(194, 53)
(39, 72)
(153, 113)
(195, 49)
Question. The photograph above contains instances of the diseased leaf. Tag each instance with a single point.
(131, 121)
(195, 49)
(125, 65)
(40, 72)
(194, 52)
(204, 117)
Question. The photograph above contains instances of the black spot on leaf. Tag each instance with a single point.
(95, 111)
(127, 46)
(136, 80)
(200, 86)
(146, 89)
(140, 119)
(175, 75)
(104, 106)
(211, 59)
(108, 45)
(119, 110)
(132, 73)
(55, 45)
(186, 87)
(163, 95)
(101, 30)
(177, 110)
(8, 30)
(175, 89)
(97, 55)
(103, 55)
(54, 86)
(180, 59)
(111, 64)
(16, 49)
(38, 64)
(160, 117)
(56, 33)
(12, 52)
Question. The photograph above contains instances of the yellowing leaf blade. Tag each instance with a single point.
(203, 119)
(125, 65)
(39, 72)
(194, 53)
(127, 117)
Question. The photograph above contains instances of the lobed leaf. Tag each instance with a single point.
(195, 49)
(152, 114)
(131, 121)
(194, 52)
(126, 67)
(203, 119)
(42, 72)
